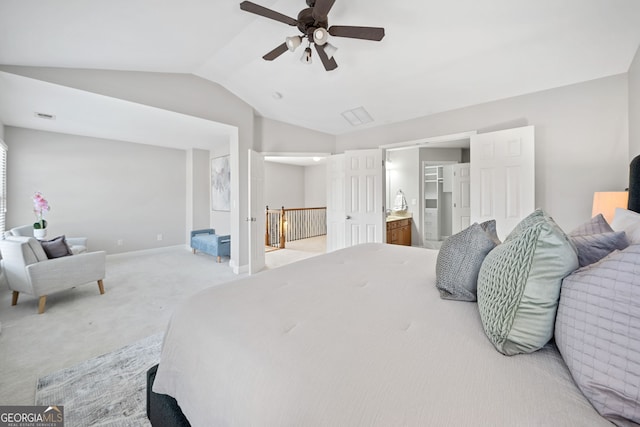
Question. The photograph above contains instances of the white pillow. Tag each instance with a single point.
(629, 222)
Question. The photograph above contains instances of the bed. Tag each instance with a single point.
(362, 337)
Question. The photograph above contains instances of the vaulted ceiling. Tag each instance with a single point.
(436, 55)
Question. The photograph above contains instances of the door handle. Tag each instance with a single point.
(348, 216)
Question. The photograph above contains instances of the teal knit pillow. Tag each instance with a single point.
(519, 284)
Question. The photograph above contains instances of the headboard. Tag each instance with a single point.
(634, 185)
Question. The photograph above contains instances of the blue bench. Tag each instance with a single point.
(209, 242)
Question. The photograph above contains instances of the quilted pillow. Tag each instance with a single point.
(598, 333)
(460, 259)
(596, 225)
(519, 284)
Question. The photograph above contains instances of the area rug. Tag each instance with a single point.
(109, 390)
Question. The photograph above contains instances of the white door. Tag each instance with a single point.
(503, 177)
(461, 195)
(364, 195)
(256, 219)
(336, 212)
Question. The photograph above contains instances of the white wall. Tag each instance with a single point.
(198, 191)
(295, 186)
(284, 185)
(183, 93)
(103, 189)
(315, 186)
(273, 136)
(581, 139)
(634, 107)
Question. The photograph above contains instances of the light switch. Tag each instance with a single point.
(414, 202)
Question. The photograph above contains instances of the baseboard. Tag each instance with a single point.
(146, 251)
(238, 269)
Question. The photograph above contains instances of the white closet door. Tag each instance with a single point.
(461, 194)
(503, 177)
(364, 197)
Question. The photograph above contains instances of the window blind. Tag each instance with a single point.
(3, 186)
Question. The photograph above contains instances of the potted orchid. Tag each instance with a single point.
(40, 206)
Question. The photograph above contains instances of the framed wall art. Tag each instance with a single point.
(221, 184)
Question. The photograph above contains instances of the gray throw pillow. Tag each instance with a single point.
(596, 225)
(519, 284)
(595, 239)
(593, 247)
(597, 332)
(460, 259)
(56, 248)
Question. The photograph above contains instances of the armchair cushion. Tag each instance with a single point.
(77, 245)
(36, 253)
(23, 230)
(56, 248)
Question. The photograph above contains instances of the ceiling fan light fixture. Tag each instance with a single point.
(330, 50)
(293, 42)
(306, 56)
(320, 36)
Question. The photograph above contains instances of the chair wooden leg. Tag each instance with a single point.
(14, 298)
(41, 303)
(219, 259)
(193, 250)
(101, 286)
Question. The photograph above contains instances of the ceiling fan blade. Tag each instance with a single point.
(329, 63)
(276, 52)
(267, 13)
(321, 9)
(365, 33)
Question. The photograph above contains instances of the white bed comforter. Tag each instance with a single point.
(357, 337)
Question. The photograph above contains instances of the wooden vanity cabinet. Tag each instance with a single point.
(399, 232)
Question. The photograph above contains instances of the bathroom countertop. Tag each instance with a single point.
(398, 217)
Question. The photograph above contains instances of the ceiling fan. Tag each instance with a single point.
(314, 26)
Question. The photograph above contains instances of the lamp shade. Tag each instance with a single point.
(606, 202)
(330, 50)
(320, 36)
(293, 42)
(306, 56)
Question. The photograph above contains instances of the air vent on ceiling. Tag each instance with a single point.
(357, 116)
(45, 116)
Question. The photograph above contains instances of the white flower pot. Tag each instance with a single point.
(39, 233)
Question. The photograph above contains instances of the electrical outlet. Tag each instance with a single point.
(159, 237)
(120, 242)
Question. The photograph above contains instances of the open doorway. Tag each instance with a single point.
(424, 176)
(295, 207)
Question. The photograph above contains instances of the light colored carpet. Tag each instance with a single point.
(295, 251)
(107, 391)
(141, 291)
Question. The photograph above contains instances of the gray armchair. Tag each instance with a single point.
(27, 269)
